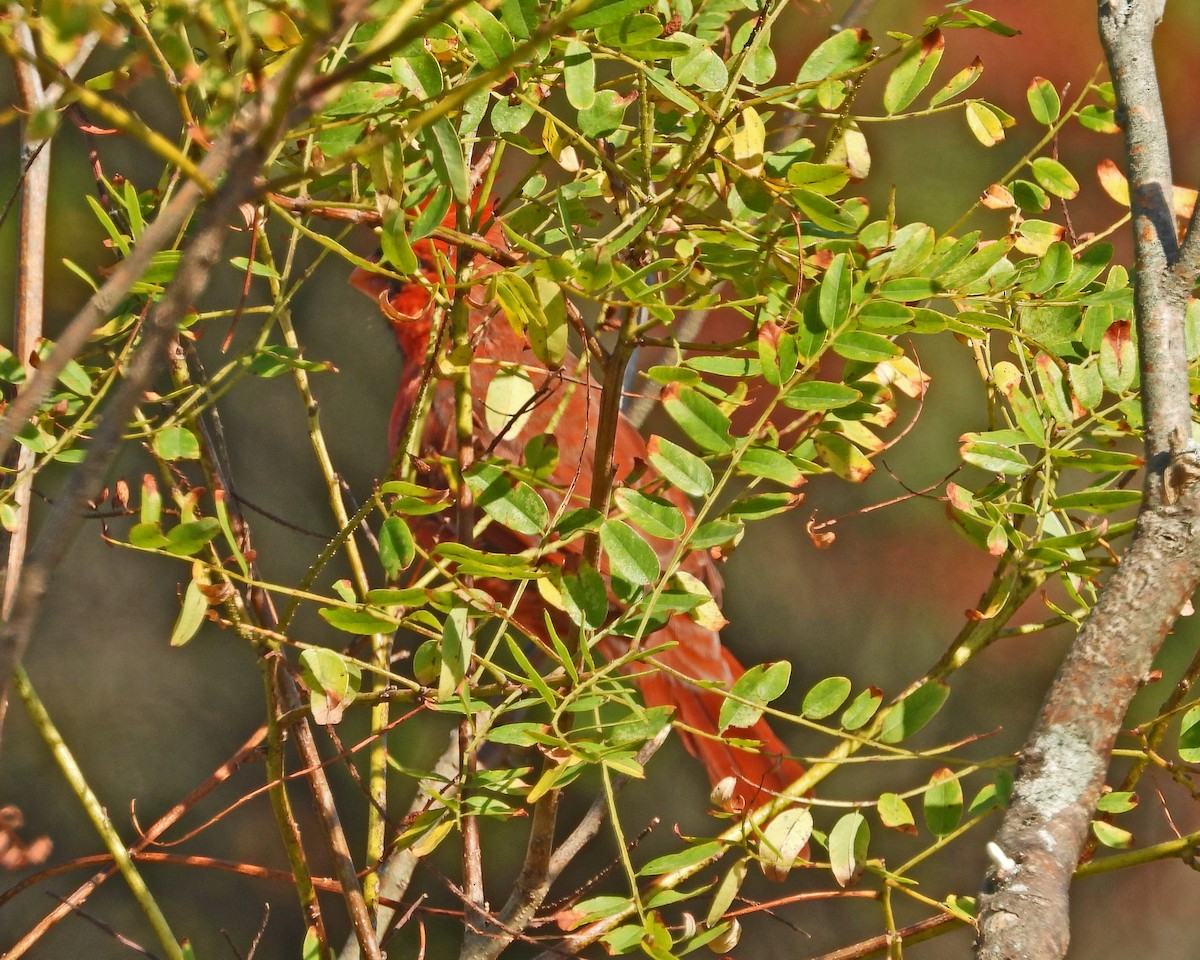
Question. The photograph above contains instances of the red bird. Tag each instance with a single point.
(568, 406)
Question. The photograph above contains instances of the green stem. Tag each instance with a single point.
(95, 812)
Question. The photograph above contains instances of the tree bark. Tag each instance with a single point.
(1024, 907)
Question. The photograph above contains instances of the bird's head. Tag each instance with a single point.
(404, 299)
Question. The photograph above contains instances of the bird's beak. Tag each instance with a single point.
(399, 300)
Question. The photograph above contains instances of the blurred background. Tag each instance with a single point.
(149, 723)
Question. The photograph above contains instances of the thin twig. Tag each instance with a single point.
(80, 895)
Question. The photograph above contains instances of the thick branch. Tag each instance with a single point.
(1024, 909)
(1127, 33)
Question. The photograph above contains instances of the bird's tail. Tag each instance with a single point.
(760, 772)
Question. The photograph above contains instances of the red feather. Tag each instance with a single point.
(568, 405)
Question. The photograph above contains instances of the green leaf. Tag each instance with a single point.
(843, 457)
(604, 12)
(604, 115)
(680, 467)
(820, 395)
(848, 843)
(1053, 385)
(511, 118)
(822, 211)
(576, 522)
(358, 620)
(119, 240)
(1054, 178)
(658, 517)
(825, 698)
(579, 75)
(727, 890)
(1097, 501)
(395, 243)
(895, 813)
(759, 506)
(862, 708)
(699, 67)
(784, 842)
(913, 712)
(717, 533)
(688, 857)
(416, 69)
(1189, 736)
(985, 126)
(958, 83)
(1098, 119)
(403, 596)
(311, 948)
(596, 908)
(699, 418)
(821, 178)
(630, 31)
(865, 346)
(770, 464)
(909, 289)
(446, 681)
(987, 22)
(332, 681)
(472, 562)
(514, 505)
(176, 443)
(1043, 101)
(276, 359)
(759, 686)
(445, 155)
(1055, 268)
(188, 539)
(993, 457)
(147, 536)
(1029, 196)
(1089, 265)
(912, 245)
(585, 597)
(547, 327)
(1098, 461)
(943, 803)
(993, 795)
(1112, 836)
(1119, 801)
(913, 72)
(76, 379)
(397, 550)
(191, 614)
(834, 293)
(976, 266)
(842, 52)
(457, 647)
(485, 36)
(1035, 236)
(509, 401)
(1118, 357)
(629, 556)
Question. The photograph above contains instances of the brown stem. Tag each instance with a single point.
(157, 829)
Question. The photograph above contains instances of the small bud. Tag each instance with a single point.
(723, 793)
(727, 940)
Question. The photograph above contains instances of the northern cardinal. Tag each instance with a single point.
(568, 405)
